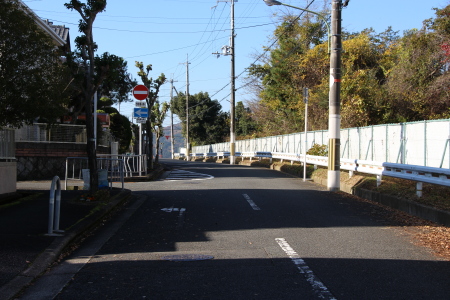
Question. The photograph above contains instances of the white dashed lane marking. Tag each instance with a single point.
(319, 288)
(250, 201)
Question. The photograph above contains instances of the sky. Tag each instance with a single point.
(168, 33)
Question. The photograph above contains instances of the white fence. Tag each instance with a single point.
(61, 133)
(7, 144)
(75, 165)
(133, 165)
(423, 143)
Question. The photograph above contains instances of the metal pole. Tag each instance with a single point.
(171, 117)
(334, 122)
(140, 149)
(95, 118)
(187, 107)
(233, 90)
(305, 99)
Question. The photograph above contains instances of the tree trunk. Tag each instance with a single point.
(158, 136)
(150, 146)
(91, 148)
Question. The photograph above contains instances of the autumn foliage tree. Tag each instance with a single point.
(387, 78)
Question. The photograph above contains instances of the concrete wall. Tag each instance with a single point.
(8, 171)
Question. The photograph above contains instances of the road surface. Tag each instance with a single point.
(213, 231)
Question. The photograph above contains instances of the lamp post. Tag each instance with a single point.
(334, 117)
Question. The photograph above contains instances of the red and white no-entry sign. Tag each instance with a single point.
(140, 92)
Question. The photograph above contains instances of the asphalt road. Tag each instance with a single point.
(212, 231)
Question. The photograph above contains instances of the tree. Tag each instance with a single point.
(280, 109)
(244, 122)
(153, 87)
(418, 83)
(207, 123)
(91, 79)
(158, 114)
(120, 125)
(119, 83)
(32, 78)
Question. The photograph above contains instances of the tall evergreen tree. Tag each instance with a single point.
(32, 78)
(207, 123)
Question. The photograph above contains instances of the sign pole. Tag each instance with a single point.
(140, 92)
(140, 149)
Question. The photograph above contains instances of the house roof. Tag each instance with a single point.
(62, 31)
(46, 28)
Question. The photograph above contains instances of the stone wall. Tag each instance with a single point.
(43, 161)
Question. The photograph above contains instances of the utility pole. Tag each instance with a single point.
(229, 50)
(334, 122)
(171, 117)
(233, 90)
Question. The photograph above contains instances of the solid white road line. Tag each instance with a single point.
(319, 288)
(250, 201)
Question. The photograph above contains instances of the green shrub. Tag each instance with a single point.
(318, 150)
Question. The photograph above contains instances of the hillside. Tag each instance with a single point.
(179, 140)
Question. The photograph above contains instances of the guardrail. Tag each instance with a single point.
(74, 169)
(420, 174)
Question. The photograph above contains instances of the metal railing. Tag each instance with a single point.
(75, 166)
(134, 165)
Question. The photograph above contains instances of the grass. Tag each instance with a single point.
(432, 195)
(18, 198)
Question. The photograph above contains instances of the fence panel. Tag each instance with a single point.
(437, 150)
(62, 133)
(425, 143)
(414, 143)
(379, 143)
(7, 144)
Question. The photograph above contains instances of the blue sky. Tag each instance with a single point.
(164, 33)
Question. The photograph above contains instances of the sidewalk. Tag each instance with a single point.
(25, 250)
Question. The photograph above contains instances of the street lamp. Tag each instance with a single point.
(334, 114)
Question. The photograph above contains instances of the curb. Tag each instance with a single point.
(413, 208)
(51, 254)
(416, 209)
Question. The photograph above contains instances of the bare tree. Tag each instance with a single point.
(86, 48)
(153, 88)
